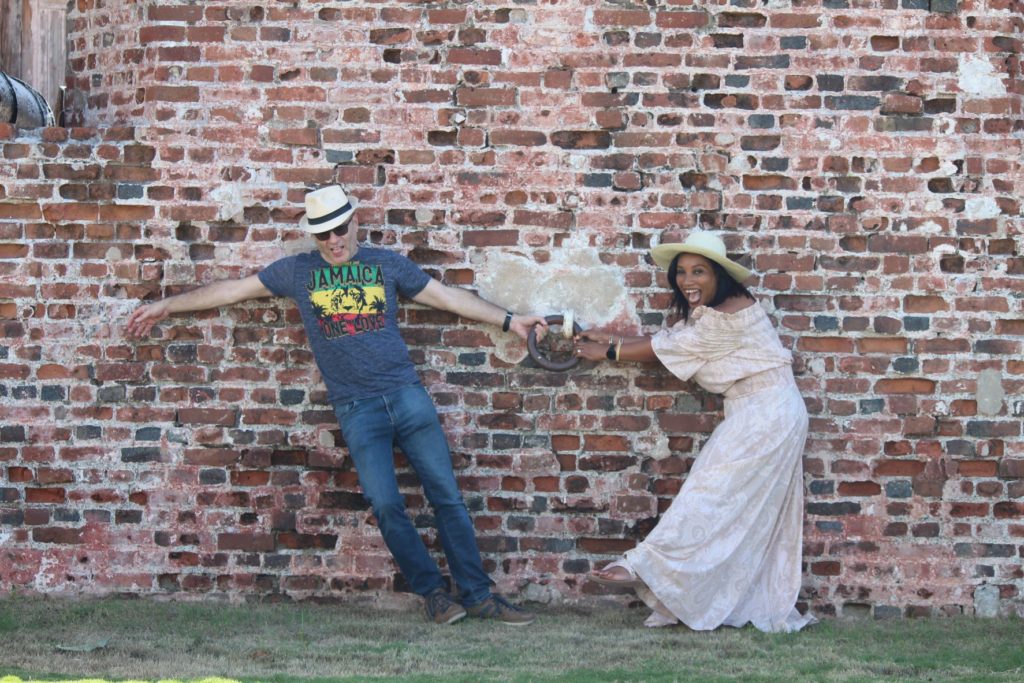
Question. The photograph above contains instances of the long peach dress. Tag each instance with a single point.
(727, 551)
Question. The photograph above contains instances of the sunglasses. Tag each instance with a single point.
(340, 231)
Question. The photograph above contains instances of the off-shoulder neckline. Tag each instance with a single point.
(748, 306)
(704, 310)
(740, 318)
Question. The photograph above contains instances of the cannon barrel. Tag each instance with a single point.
(21, 105)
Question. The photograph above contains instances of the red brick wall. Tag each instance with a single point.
(867, 158)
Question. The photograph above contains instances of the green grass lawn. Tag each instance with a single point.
(118, 640)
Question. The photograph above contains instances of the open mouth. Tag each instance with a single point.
(692, 296)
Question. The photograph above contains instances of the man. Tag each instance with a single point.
(348, 299)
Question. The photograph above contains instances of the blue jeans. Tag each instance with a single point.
(407, 417)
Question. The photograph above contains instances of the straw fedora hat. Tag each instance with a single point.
(703, 243)
(326, 208)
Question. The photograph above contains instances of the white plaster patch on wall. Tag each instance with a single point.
(229, 202)
(654, 445)
(947, 168)
(546, 595)
(828, 141)
(574, 279)
(740, 164)
(986, 601)
(447, 240)
(929, 227)
(978, 78)
(536, 461)
(965, 284)
(990, 392)
(325, 439)
(981, 207)
(180, 271)
(44, 580)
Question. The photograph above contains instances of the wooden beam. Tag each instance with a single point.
(46, 59)
(10, 36)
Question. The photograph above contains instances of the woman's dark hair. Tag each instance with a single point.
(726, 287)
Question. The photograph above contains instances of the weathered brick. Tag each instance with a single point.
(595, 139)
(887, 265)
(476, 56)
(764, 183)
(484, 238)
(390, 36)
(484, 97)
(741, 20)
(63, 536)
(905, 386)
(162, 33)
(252, 542)
(677, 19)
(518, 137)
(172, 93)
(859, 488)
(226, 417)
(608, 17)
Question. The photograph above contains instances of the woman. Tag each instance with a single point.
(727, 551)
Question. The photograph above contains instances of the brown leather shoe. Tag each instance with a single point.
(500, 609)
(441, 609)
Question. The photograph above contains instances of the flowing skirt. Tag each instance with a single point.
(728, 549)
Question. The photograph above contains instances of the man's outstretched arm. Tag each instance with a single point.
(469, 305)
(213, 295)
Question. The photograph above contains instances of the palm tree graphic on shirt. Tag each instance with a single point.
(358, 296)
(348, 301)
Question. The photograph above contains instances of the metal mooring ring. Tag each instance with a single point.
(555, 364)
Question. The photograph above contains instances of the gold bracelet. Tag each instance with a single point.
(618, 349)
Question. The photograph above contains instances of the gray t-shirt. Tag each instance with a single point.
(350, 315)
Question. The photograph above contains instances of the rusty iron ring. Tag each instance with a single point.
(544, 361)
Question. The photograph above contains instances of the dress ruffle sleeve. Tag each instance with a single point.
(686, 347)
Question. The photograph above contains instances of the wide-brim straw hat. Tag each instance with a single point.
(326, 209)
(703, 243)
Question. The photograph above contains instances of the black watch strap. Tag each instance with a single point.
(508, 321)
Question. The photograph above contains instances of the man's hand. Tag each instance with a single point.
(142, 319)
(522, 324)
(213, 295)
